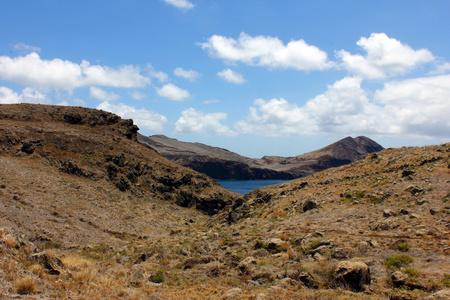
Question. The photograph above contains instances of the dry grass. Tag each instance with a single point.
(25, 286)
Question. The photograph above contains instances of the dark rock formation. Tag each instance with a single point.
(220, 163)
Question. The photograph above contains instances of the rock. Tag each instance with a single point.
(398, 279)
(246, 264)
(260, 296)
(234, 292)
(309, 204)
(404, 211)
(440, 295)
(275, 245)
(434, 211)
(285, 282)
(52, 264)
(214, 268)
(421, 201)
(388, 213)
(308, 280)
(400, 296)
(352, 274)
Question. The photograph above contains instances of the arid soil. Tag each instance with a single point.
(86, 212)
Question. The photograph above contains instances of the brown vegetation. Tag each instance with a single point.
(375, 229)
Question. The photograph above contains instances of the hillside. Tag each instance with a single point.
(86, 212)
(220, 163)
(74, 176)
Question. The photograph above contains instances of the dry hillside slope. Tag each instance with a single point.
(86, 212)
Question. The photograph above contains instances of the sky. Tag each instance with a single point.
(256, 77)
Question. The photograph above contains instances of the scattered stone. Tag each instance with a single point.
(414, 190)
(52, 264)
(309, 204)
(275, 245)
(260, 296)
(404, 211)
(434, 211)
(352, 274)
(421, 201)
(234, 292)
(246, 264)
(398, 279)
(414, 216)
(440, 295)
(388, 213)
(308, 280)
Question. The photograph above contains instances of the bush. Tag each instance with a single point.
(404, 246)
(157, 278)
(25, 286)
(398, 261)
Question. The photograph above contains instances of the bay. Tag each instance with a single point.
(245, 186)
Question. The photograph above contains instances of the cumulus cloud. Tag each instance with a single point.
(182, 4)
(407, 109)
(267, 51)
(28, 95)
(31, 70)
(190, 75)
(385, 57)
(172, 92)
(102, 95)
(144, 119)
(192, 120)
(231, 76)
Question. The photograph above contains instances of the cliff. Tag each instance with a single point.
(220, 163)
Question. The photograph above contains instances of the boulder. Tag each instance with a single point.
(398, 279)
(352, 274)
(247, 264)
(275, 245)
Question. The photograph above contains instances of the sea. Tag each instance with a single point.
(245, 186)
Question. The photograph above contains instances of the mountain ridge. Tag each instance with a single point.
(220, 163)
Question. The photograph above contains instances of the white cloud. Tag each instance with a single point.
(28, 95)
(182, 4)
(137, 95)
(211, 101)
(385, 57)
(161, 76)
(102, 95)
(404, 109)
(190, 75)
(192, 120)
(26, 48)
(31, 70)
(442, 69)
(268, 52)
(231, 76)
(145, 119)
(172, 92)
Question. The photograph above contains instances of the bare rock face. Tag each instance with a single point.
(220, 163)
(352, 274)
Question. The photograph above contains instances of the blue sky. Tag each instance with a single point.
(255, 77)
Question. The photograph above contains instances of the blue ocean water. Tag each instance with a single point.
(245, 186)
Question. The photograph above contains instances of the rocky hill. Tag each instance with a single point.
(77, 176)
(220, 163)
(86, 212)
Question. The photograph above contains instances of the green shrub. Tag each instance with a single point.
(398, 261)
(157, 278)
(404, 246)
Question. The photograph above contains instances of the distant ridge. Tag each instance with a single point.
(220, 163)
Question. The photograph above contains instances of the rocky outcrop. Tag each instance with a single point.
(220, 163)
